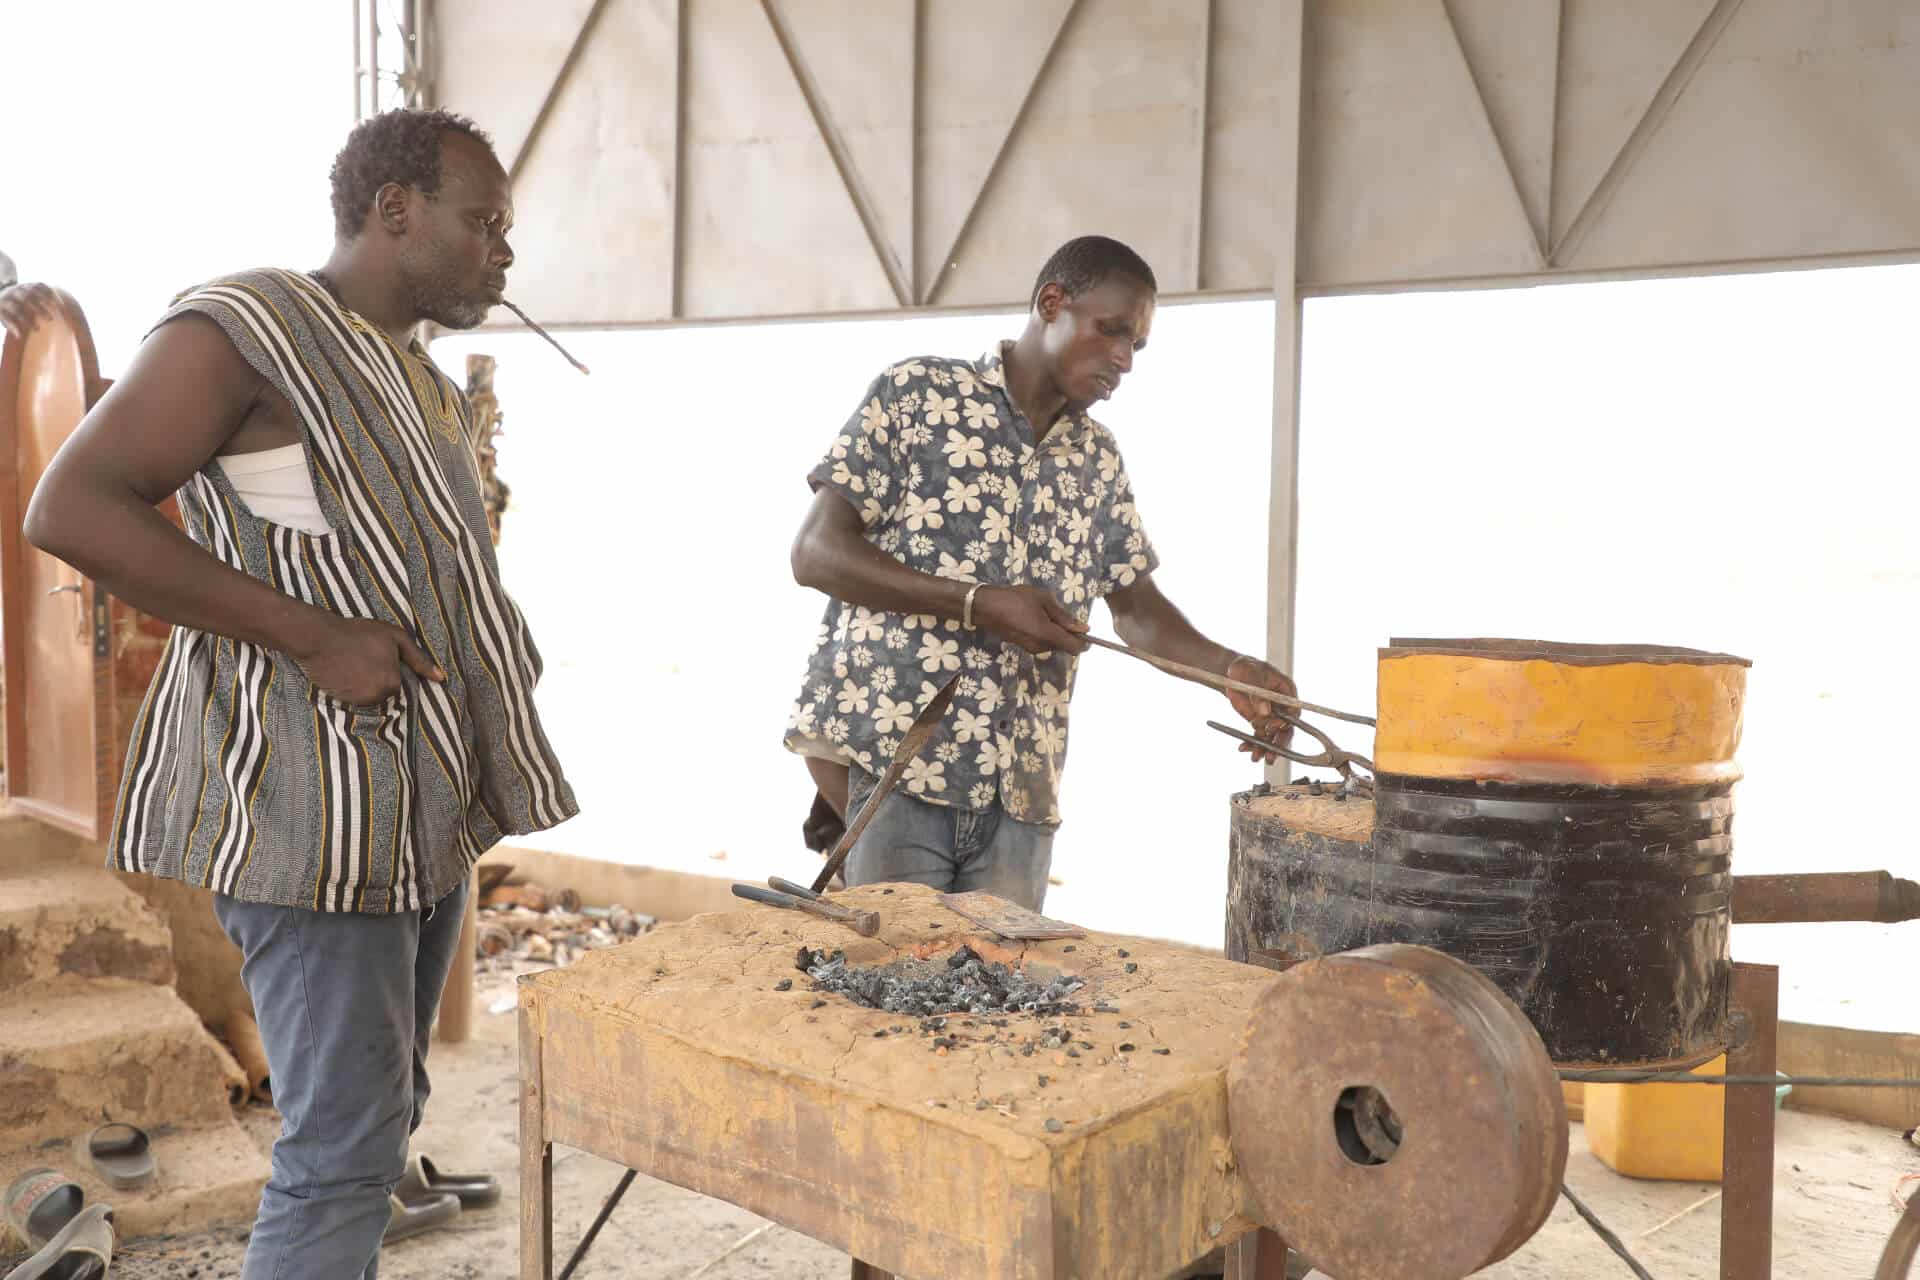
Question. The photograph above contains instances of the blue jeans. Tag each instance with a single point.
(953, 849)
(345, 1004)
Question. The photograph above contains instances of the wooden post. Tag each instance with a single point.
(536, 1157)
(1746, 1208)
(456, 999)
(867, 1271)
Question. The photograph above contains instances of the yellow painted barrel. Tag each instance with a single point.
(1561, 817)
(1532, 711)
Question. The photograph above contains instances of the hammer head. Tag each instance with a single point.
(864, 923)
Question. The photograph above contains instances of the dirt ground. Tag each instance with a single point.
(1833, 1206)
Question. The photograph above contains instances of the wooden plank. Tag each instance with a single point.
(536, 1151)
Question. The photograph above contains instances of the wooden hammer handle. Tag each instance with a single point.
(864, 923)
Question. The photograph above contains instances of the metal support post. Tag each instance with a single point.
(1746, 1203)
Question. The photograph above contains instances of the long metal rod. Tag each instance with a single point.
(423, 96)
(1626, 1075)
(677, 301)
(911, 744)
(1601, 1229)
(1283, 476)
(528, 321)
(1553, 134)
(916, 250)
(1877, 896)
(599, 1221)
(1206, 123)
(373, 57)
(1226, 685)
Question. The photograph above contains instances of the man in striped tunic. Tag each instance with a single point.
(343, 719)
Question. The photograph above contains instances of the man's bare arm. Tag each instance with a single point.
(831, 554)
(1145, 619)
(187, 392)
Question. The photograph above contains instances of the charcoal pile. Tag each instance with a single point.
(962, 983)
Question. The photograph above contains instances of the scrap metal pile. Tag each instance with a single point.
(532, 923)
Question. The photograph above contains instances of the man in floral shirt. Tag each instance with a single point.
(964, 521)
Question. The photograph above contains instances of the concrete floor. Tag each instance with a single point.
(1833, 1208)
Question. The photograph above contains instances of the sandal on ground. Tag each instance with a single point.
(424, 1180)
(82, 1250)
(39, 1203)
(122, 1155)
(422, 1215)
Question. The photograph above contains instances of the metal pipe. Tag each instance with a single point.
(1876, 896)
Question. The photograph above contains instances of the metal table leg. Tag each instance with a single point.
(1257, 1255)
(1746, 1203)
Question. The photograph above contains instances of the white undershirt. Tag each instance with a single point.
(276, 486)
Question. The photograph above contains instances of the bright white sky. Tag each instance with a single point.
(1723, 463)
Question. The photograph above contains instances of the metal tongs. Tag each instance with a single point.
(1332, 755)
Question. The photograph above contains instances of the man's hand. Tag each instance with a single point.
(360, 662)
(1030, 617)
(1264, 716)
(24, 306)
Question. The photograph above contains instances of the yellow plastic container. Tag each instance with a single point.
(1667, 1131)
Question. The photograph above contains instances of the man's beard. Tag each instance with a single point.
(439, 298)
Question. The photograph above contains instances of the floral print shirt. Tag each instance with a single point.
(947, 480)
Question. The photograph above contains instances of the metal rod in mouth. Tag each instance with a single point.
(528, 321)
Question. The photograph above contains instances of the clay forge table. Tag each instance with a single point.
(1387, 1109)
(679, 1056)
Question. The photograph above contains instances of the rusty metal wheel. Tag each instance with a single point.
(1903, 1246)
(1395, 1116)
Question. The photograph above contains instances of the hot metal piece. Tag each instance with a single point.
(1395, 1115)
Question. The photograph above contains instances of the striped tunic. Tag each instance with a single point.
(243, 777)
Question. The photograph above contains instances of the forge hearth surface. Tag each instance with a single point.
(988, 1141)
(1024, 1031)
(961, 982)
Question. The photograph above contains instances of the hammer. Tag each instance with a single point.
(864, 923)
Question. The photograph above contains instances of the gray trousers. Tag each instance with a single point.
(345, 1004)
(953, 849)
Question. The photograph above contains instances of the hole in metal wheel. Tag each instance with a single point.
(1366, 1126)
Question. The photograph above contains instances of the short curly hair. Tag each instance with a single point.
(1085, 263)
(401, 145)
